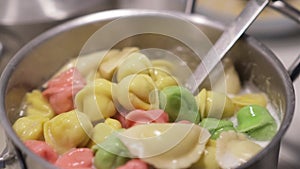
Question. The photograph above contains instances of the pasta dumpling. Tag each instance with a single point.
(136, 92)
(68, 130)
(136, 63)
(37, 104)
(95, 100)
(30, 127)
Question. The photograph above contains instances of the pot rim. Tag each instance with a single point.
(115, 14)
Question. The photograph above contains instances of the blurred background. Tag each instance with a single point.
(21, 21)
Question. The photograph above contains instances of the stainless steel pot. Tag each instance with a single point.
(44, 55)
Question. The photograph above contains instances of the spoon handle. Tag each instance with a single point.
(225, 42)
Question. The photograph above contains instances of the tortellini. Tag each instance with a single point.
(42, 149)
(68, 130)
(177, 145)
(136, 63)
(250, 99)
(234, 149)
(102, 130)
(95, 100)
(179, 103)
(162, 79)
(111, 153)
(216, 126)
(257, 122)
(214, 104)
(37, 105)
(77, 158)
(61, 90)
(30, 127)
(136, 92)
(113, 59)
(208, 159)
(231, 81)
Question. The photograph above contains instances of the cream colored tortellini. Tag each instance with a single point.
(176, 145)
(30, 127)
(95, 100)
(231, 81)
(214, 104)
(234, 149)
(113, 59)
(136, 63)
(162, 78)
(208, 159)
(136, 92)
(37, 104)
(68, 130)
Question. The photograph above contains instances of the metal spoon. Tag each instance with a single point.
(1, 48)
(226, 41)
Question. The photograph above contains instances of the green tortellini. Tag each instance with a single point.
(216, 126)
(30, 127)
(95, 100)
(136, 92)
(37, 105)
(111, 153)
(214, 104)
(257, 122)
(68, 130)
(179, 103)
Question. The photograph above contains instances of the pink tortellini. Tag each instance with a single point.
(95, 100)
(61, 90)
(68, 130)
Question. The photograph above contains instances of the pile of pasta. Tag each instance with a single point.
(119, 109)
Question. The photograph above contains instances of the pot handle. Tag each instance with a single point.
(294, 70)
(286, 9)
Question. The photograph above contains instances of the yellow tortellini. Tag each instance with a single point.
(136, 63)
(112, 60)
(95, 100)
(30, 127)
(38, 105)
(102, 130)
(162, 79)
(208, 159)
(214, 104)
(68, 130)
(250, 99)
(136, 92)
